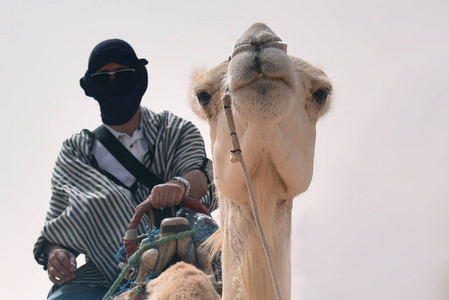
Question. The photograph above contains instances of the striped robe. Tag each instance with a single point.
(90, 210)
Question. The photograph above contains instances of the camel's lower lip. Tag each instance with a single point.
(235, 86)
(249, 66)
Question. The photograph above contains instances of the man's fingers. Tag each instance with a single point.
(65, 265)
(73, 261)
(55, 276)
(69, 261)
(166, 195)
(61, 266)
(63, 272)
(55, 280)
(155, 200)
(173, 197)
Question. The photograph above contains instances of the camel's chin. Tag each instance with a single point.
(264, 100)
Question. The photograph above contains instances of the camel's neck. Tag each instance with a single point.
(246, 273)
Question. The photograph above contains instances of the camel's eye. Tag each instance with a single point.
(203, 98)
(320, 96)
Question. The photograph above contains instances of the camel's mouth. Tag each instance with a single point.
(262, 78)
(267, 61)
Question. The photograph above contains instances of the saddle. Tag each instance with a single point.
(155, 260)
(177, 244)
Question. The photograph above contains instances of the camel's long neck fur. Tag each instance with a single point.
(246, 273)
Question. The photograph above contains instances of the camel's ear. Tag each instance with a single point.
(207, 87)
(318, 88)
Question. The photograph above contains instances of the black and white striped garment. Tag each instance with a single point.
(90, 211)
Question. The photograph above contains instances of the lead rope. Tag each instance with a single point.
(236, 155)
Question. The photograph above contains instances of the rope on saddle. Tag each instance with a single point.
(131, 239)
(134, 259)
(236, 155)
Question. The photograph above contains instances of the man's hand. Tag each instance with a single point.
(168, 194)
(61, 264)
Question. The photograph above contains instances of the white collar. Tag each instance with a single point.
(136, 134)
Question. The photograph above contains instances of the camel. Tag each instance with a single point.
(277, 100)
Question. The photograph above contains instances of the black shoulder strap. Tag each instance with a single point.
(129, 161)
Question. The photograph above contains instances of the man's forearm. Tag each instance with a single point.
(198, 183)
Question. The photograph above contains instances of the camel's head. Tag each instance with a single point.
(276, 101)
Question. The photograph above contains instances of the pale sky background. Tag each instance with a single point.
(374, 224)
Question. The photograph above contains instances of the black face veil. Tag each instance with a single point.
(119, 100)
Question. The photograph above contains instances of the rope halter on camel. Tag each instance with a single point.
(237, 155)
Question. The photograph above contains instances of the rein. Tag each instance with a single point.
(236, 155)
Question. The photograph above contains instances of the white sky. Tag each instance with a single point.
(374, 224)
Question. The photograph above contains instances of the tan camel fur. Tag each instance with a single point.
(181, 281)
(276, 100)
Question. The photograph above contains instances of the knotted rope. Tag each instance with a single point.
(236, 155)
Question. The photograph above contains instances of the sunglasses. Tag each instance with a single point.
(104, 77)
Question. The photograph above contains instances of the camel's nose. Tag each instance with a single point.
(257, 46)
(255, 41)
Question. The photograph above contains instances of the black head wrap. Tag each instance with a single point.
(119, 100)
